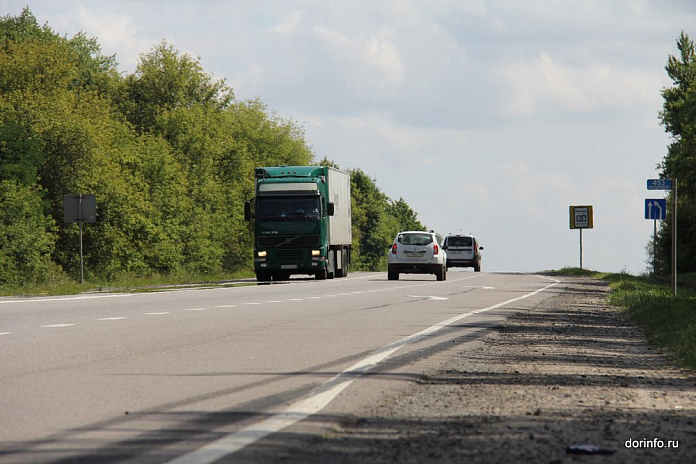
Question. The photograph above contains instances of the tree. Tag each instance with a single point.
(679, 118)
(404, 215)
(26, 235)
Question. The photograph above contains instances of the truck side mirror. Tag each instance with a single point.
(330, 209)
(247, 211)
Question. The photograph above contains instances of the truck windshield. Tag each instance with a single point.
(287, 209)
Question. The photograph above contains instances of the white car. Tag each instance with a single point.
(463, 250)
(416, 252)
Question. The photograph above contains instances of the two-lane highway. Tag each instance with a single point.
(197, 375)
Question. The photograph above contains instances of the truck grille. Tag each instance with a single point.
(288, 255)
(288, 241)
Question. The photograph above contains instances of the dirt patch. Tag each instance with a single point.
(573, 371)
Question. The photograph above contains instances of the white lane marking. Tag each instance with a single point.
(66, 298)
(157, 314)
(111, 318)
(436, 298)
(315, 297)
(296, 299)
(274, 301)
(193, 309)
(252, 303)
(225, 306)
(56, 326)
(5, 333)
(321, 396)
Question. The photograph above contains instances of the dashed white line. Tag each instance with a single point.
(5, 333)
(296, 299)
(111, 318)
(274, 301)
(193, 309)
(225, 306)
(157, 314)
(252, 303)
(56, 326)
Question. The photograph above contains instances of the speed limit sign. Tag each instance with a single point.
(581, 217)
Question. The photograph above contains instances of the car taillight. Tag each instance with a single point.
(394, 249)
(436, 249)
(475, 248)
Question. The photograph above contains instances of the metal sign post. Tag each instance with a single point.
(655, 209)
(79, 208)
(661, 204)
(581, 217)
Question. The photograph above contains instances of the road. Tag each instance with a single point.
(197, 375)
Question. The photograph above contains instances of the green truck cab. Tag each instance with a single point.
(302, 222)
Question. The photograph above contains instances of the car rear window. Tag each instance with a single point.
(459, 241)
(415, 239)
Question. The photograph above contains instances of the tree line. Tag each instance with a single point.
(168, 151)
(678, 116)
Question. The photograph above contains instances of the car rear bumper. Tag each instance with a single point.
(414, 268)
(462, 262)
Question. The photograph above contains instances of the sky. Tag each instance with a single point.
(487, 117)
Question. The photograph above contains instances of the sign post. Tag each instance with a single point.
(665, 184)
(581, 217)
(655, 209)
(79, 208)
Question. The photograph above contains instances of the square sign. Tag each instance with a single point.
(79, 208)
(656, 208)
(659, 184)
(581, 217)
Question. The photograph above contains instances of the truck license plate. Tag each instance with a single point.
(288, 266)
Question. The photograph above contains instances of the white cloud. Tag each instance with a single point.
(546, 85)
(289, 24)
(372, 64)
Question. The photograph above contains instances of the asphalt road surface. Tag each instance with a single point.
(199, 375)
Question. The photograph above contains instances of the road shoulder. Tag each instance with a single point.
(571, 371)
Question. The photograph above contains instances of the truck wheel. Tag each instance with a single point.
(321, 274)
(263, 276)
(344, 264)
(392, 275)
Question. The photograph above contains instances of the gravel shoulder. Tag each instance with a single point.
(571, 371)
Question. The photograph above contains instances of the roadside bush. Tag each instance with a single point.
(26, 235)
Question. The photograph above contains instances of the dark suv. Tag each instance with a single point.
(463, 251)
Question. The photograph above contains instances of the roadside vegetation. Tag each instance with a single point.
(167, 151)
(668, 322)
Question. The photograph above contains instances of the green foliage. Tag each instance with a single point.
(26, 237)
(679, 118)
(668, 322)
(167, 151)
(404, 215)
(373, 227)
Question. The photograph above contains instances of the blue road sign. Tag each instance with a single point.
(659, 184)
(655, 208)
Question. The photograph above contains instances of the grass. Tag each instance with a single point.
(62, 285)
(669, 322)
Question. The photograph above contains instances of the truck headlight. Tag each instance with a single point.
(316, 252)
(261, 254)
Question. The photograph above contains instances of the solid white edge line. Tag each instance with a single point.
(322, 396)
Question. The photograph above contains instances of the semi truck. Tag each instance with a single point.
(302, 222)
